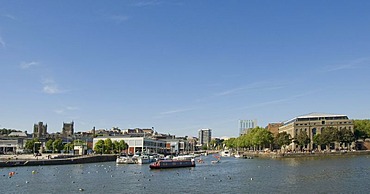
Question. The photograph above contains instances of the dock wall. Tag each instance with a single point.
(62, 161)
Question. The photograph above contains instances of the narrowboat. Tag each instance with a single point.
(160, 164)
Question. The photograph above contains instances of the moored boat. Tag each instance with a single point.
(144, 159)
(124, 159)
(225, 153)
(172, 164)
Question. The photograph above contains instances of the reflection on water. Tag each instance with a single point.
(287, 175)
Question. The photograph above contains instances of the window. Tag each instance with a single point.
(313, 131)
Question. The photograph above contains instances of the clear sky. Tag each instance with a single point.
(180, 66)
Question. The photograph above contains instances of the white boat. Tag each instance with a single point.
(184, 157)
(144, 159)
(237, 156)
(125, 160)
(225, 153)
(215, 161)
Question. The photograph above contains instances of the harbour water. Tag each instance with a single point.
(349, 174)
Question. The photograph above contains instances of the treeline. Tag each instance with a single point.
(259, 138)
(107, 146)
(54, 146)
(7, 131)
(256, 139)
(362, 129)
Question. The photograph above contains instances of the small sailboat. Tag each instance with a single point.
(216, 161)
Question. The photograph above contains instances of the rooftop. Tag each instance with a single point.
(314, 115)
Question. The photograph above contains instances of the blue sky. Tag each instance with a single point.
(180, 66)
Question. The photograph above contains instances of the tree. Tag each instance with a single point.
(243, 141)
(116, 147)
(282, 139)
(204, 147)
(230, 143)
(49, 144)
(303, 139)
(346, 136)
(317, 139)
(213, 144)
(108, 146)
(7, 131)
(68, 147)
(259, 137)
(362, 129)
(33, 145)
(58, 145)
(329, 135)
(78, 142)
(99, 146)
(122, 145)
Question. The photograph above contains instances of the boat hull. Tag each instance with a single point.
(172, 164)
(125, 160)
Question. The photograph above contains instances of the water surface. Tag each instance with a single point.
(290, 175)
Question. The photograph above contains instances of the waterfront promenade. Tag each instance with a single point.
(305, 154)
(51, 159)
(231, 175)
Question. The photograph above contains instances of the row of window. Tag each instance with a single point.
(322, 118)
(313, 130)
(323, 123)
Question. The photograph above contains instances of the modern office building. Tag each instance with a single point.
(137, 144)
(204, 136)
(245, 125)
(40, 130)
(313, 124)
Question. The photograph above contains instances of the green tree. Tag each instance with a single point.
(7, 131)
(68, 147)
(317, 139)
(362, 129)
(303, 139)
(49, 144)
(99, 146)
(116, 146)
(78, 142)
(260, 137)
(329, 135)
(33, 145)
(230, 143)
(242, 141)
(213, 144)
(108, 146)
(122, 145)
(58, 145)
(204, 147)
(346, 136)
(282, 139)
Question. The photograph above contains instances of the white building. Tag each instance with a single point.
(137, 144)
(245, 125)
(204, 136)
